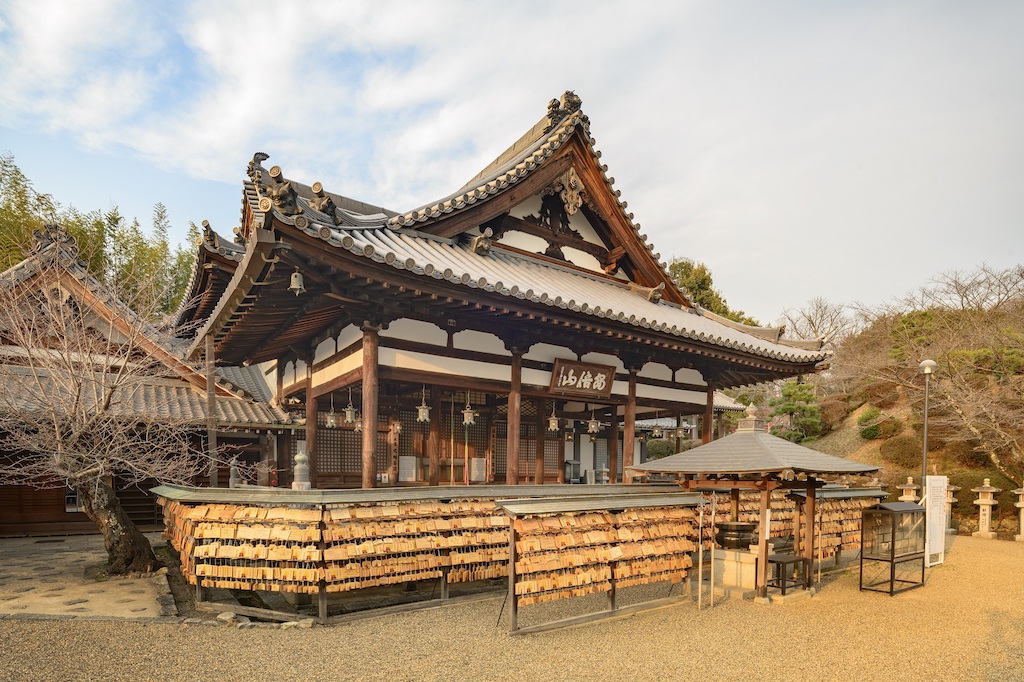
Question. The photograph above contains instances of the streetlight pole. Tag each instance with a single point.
(927, 368)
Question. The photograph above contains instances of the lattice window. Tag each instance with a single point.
(554, 453)
(329, 450)
(601, 455)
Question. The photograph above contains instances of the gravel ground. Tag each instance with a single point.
(966, 623)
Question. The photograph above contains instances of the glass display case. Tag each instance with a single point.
(892, 547)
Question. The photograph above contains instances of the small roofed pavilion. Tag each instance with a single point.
(753, 459)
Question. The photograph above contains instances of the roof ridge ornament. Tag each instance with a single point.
(558, 109)
(652, 294)
(323, 203)
(482, 243)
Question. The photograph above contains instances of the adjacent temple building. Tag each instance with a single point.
(513, 331)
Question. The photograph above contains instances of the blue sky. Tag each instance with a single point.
(847, 150)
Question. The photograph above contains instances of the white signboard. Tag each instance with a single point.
(478, 469)
(406, 469)
(935, 509)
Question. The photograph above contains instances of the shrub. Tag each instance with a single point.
(903, 451)
(882, 394)
(869, 415)
(868, 421)
(660, 447)
(834, 411)
(965, 453)
(889, 427)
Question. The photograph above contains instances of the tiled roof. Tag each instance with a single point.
(516, 163)
(175, 398)
(248, 379)
(753, 452)
(533, 279)
(172, 400)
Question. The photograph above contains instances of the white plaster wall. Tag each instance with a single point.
(533, 244)
(336, 369)
(267, 369)
(526, 242)
(349, 335)
(416, 330)
(586, 454)
(582, 259)
(536, 377)
(690, 376)
(323, 351)
(425, 362)
(479, 341)
(604, 359)
(544, 352)
(530, 206)
(655, 370)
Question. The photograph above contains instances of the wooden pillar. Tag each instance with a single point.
(629, 429)
(810, 510)
(734, 504)
(370, 403)
(707, 423)
(762, 540)
(211, 412)
(538, 454)
(515, 397)
(311, 423)
(679, 431)
(613, 449)
(434, 438)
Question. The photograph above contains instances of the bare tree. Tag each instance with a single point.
(89, 392)
(819, 319)
(972, 325)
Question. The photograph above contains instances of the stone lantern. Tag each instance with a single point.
(986, 500)
(909, 490)
(951, 490)
(301, 475)
(1019, 504)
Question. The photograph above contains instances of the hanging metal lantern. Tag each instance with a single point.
(397, 428)
(593, 426)
(552, 420)
(358, 426)
(350, 411)
(657, 432)
(468, 414)
(331, 420)
(423, 410)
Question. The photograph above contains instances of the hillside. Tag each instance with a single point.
(899, 455)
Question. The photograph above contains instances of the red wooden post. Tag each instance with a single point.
(515, 396)
(629, 424)
(707, 423)
(370, 403)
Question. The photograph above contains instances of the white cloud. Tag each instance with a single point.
(761, 138)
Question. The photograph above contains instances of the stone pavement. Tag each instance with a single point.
(45, 578)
